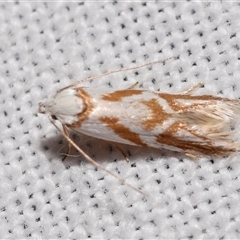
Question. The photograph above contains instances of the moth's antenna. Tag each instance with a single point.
(91, 160)
(116, 71)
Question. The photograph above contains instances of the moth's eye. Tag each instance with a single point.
(54, 117)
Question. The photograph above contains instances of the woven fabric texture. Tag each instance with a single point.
(44, 46)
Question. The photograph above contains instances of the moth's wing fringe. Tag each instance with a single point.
(92, 161)
(217, 122)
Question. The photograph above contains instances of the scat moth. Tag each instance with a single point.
(192, 124)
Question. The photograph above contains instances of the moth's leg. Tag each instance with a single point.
(69, 144)
(133, 86)
(120, 150)
(114, 144)
(123, 181)
(193, 88)
(193, 157)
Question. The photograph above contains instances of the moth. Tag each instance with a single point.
(196, 125)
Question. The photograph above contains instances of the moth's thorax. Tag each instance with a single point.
(65, 106)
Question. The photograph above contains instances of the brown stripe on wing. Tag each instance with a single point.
(172, 100)
(178, 126)
(205, 148)
(157, 116)
(87, 110)
(122, 131)
(117, 96)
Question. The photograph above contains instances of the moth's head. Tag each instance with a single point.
(65, 106)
